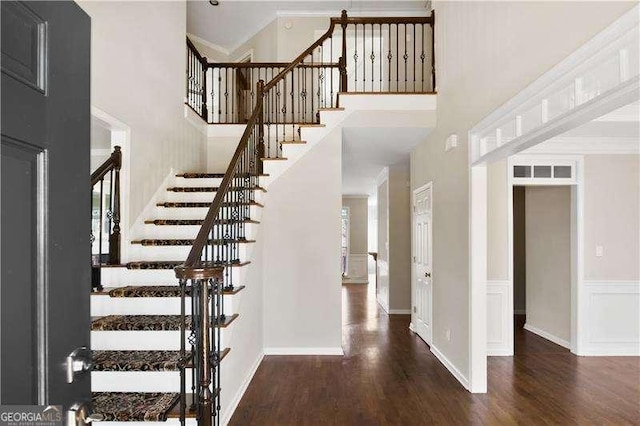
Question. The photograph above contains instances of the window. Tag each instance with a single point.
(345, 242)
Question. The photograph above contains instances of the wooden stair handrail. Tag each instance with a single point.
(193, 259)
(114, 162)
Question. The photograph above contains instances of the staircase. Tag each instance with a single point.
(135, 331)
(158, 343)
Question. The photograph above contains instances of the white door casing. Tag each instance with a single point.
(422, 256)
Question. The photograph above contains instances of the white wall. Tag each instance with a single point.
(301, 231)
(548, 261)
(246, 334)
(486, 52)
(137, 76)
(610, 299)
(399, 239)
(612, 209)
(497, 244)
(263, 45)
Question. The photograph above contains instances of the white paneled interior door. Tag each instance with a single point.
(422, 262)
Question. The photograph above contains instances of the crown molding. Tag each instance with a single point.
(207, 43)
(361, 13)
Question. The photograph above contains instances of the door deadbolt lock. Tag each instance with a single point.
(427, 274)
(78, 415)
(78, 362)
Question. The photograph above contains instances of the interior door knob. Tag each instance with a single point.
(427, 274)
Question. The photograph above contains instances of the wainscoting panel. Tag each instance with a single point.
(499, 318)
(611, 318)
(358, 269)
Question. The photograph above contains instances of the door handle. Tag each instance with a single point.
(78, 362)
(427, 274)
(78, 415)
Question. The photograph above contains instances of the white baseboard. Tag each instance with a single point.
(399, 311)
(548, 336)
(499, 352)
(449, 365)
(304, 351)
(519, 312)
(624, 349)
(355, 281)
(413, 330)
(243, 388)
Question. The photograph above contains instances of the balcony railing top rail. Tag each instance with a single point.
(355, 54)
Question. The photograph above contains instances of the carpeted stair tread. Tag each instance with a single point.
(212, 188)
(159, 291)
(188, 242)
(206, 205)
(171, 264)
(134, 406)
(194, 222)
(215, 175)
(136, 360)
(157, 360)
(147, 322)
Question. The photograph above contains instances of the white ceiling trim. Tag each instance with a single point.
(207, 43)
(355, 195)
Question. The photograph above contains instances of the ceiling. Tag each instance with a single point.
(233, 22)
(366, 151)
(615, 132)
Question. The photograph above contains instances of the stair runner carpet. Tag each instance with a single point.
(158, 360)
(149, 322)
(158, 291)
(134, 406)
(171, 264)
(138, 323)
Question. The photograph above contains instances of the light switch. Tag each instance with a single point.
(599, 251)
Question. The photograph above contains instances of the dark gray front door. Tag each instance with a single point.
(45, 196)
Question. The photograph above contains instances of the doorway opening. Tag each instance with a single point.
(542, 251)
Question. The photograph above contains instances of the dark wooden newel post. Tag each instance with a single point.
(343, 59)
(205, 112)
(114, 238)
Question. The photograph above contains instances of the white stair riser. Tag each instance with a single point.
(151, 231)
(138, 381)
(196, 182)
(194, 212)
(200, 182)
(118, 277)
(146, 340)
(139, 252)
(105, 305)
(200, 197)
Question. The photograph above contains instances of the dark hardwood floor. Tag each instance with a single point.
(388, 376)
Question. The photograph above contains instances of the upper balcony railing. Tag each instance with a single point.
(356, 55)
